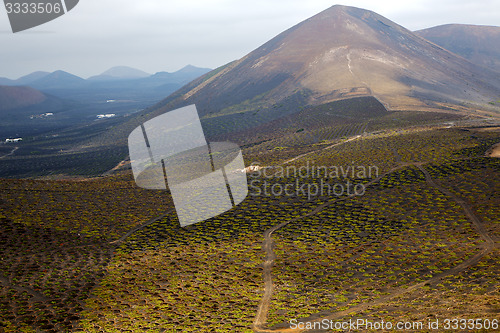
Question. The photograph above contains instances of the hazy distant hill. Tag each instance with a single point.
(17, 97)
(120, 73)
(476, 43)
(5, 81)
(150, 89)
(184, 75)
(24, 80)
(30, 78)
(58, 79)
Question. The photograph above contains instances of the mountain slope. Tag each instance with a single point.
(478, 44)
(17, 97)
(340, 53)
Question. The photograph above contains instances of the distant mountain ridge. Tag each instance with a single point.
(62, 79)
(57, 79)
(477, 43)
(117, 83)
(32, 77)
(120, 73)
(182, 74)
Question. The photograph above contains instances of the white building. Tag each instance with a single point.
(13, 140)
(109, 115)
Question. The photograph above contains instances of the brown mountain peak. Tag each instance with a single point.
(340, 53)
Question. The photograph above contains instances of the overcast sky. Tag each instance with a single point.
(165, 35)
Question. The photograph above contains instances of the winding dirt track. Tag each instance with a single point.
(142, 226)
(36, 296)
(261, 316)
(263, 308)
(489, 239)
(11, 152)
(328, 147)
